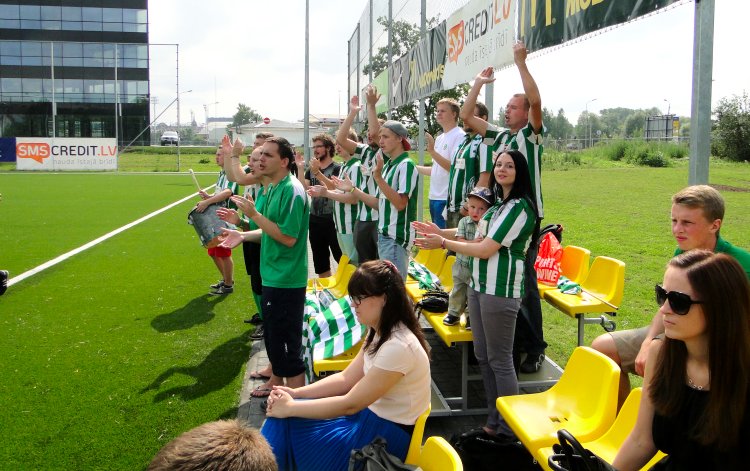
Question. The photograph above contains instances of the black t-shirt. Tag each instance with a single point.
(323, 206)
(673, 436)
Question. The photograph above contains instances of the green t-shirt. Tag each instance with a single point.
(722, 246)
(401, 175)
(511, 225)
(286, 205)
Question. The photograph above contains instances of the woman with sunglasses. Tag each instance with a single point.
(381, 393)
(497, 270)
(697, 383)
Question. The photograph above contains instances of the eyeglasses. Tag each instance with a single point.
(679, 302)
(357, 300)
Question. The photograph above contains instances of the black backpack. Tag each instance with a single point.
(555, 229)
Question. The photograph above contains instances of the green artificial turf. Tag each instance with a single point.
(111, 354)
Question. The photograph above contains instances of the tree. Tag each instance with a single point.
(405, 36)
(245, 115)
(588, 124)
(731, 130)
(558, 127)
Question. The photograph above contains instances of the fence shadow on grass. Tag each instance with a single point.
(197, 311)
(222, 365)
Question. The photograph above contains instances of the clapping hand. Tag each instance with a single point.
(247, 205)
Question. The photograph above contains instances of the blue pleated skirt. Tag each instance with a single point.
(326, 444)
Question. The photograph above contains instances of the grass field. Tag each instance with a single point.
(109, 355)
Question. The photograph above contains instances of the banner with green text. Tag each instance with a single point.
(546, 23)
(419, 72)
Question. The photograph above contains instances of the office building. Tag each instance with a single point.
(74, 68)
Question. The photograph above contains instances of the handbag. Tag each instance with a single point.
(434, 300)
(374, 457)
(571, 456)
(480, 451)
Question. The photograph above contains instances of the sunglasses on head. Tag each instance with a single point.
(679, 302)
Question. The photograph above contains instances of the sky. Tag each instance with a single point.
(252, 52)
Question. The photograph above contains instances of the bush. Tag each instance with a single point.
(616, 150)
(646, 154)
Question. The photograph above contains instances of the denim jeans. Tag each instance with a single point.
(388, 249)
(436, 212)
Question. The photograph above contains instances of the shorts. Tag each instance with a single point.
(220, 252)
(628, 344)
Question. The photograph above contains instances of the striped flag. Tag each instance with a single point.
(426, 279)
(328, 331)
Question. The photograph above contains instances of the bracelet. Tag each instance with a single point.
(352, 190)
(442, 243)
(235, 157)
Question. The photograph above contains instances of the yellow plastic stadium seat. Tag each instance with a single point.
(445, 275)
(331, 280)
(432, 259)
(422, 256)
(602, 293)
(342, 287)
(339, 362)
(415, 445)
(438, 455)
(607, 446)
(584, 401)
(574, 265)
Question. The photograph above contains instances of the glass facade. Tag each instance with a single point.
(86, 66)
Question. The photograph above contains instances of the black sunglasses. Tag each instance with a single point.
(679, 302)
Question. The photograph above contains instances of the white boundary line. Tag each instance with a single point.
(94, 242)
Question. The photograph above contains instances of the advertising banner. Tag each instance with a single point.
(65, 153)
(419, 72)
(479, 35)
(7, 149)
(545, 23)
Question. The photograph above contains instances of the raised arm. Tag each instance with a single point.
(467, 111)
(232, 165)
(398, 200)
(342, 137)
(437, 158)
(373, 125)
(529, 86)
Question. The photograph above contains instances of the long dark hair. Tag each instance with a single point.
(522, 188)
(721, 284)
(378, 277)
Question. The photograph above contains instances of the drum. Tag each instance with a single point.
(208, 226)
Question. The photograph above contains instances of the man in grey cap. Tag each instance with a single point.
(396, 199)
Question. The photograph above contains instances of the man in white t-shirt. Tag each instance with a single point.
(442, 150)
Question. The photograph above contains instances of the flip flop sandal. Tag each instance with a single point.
(258, 375)
(261, 392)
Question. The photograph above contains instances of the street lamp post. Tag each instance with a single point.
(669, 106)
(588, 120)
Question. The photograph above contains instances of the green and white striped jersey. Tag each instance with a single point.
(401, 175)
(367, 159)
(470, 159)
(344, 214)
(222, 183)
(530, 144)
(511, 225)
